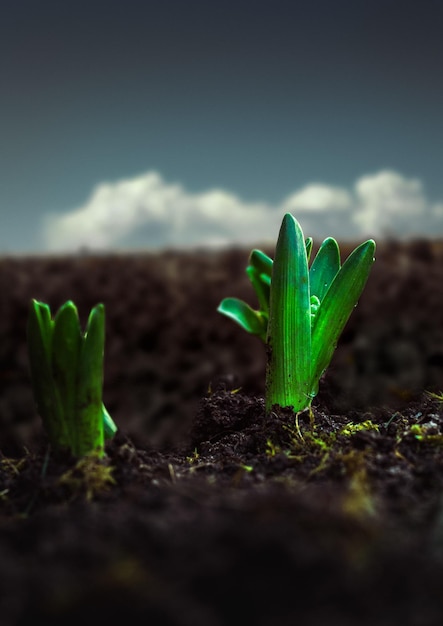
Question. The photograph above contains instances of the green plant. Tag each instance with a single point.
(302, 311)
(67, 377)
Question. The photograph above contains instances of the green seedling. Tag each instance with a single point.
(67, 377)
(302, 311)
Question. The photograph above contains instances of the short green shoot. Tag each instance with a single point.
(67, 377)
(302, 311)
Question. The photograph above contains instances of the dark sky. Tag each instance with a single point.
(255, 98)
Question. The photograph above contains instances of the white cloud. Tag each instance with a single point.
(320, 198)
(167, 214)
(321, 209)
(148, 212)
(387, 202)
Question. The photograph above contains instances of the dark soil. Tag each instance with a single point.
(206, 511)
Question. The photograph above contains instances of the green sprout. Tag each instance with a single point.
(67, 377)
(302, 311)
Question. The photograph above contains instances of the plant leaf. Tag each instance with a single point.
(259, 272)
(39, 338)
(336, 307)
(89, 386)
(262, 285)
(250, 320)
(66, 346)
(308, 243)
(324, 267)
(289, 328)
(261, 262)
(109, 426)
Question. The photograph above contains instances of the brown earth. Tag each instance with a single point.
(214, 513)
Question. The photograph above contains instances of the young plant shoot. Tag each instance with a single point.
(302, 311)
(67, 377)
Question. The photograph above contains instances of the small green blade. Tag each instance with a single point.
(261, 262)
(336, 307)
(39, 338)
(308, 243)
(289, 328)
(259, 272)
(89, 386)
(109, 426)
(66, 346)
(252, 321)
(324, 267)
(262, 287)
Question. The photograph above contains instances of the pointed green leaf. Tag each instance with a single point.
(324, 267)
(252, 321)
(336, 307)
(262, 286)
(66, 347)
(261, 262)
(109, 426)
(39, 338)
(289, 328)
(90, 383)
(259, 273)
(308, 243)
